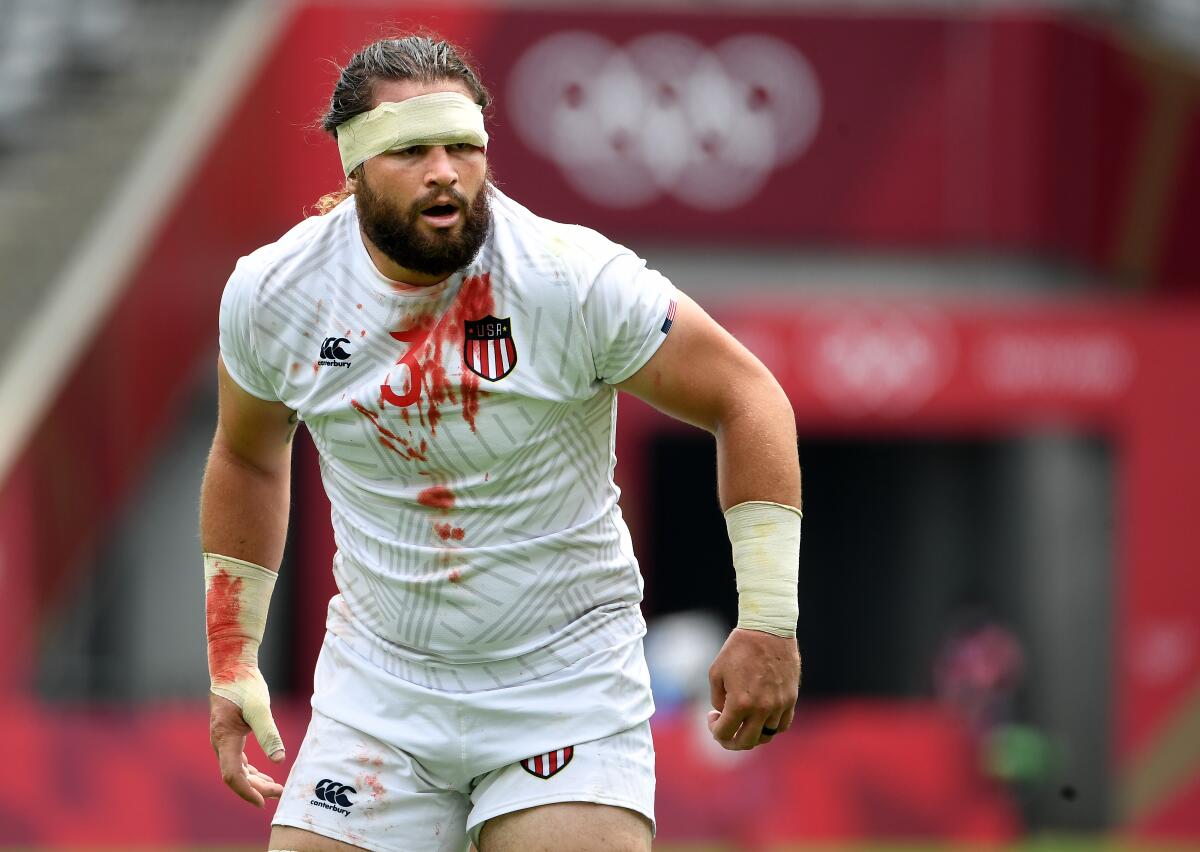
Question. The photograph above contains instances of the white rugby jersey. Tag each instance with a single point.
(466, 436)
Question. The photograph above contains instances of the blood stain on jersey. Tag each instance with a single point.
(437, 497)
(222, 607)
(405, 449)
(455, 575)
(448, 531)
(427, 341)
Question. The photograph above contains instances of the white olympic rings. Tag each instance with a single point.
(665, 115)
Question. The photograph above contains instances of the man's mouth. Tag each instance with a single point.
(441, 215)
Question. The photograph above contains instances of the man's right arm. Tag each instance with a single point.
(245, 496)
(243, 519)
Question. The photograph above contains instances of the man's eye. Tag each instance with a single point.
(410, 151)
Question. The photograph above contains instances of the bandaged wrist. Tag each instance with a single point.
(766, 559)
(237, 595)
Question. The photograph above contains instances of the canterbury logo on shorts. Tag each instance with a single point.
(545, 765)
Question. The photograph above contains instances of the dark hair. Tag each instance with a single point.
(422, 57)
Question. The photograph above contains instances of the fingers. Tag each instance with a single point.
(227, 732)
(263, 783)
(258, 716)
(716, 689)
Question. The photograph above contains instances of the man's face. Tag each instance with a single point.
(426, 207)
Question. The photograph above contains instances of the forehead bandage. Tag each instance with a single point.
(443, 118)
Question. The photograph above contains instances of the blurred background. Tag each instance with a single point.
(965, 236)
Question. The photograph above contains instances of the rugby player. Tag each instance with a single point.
(456, 359)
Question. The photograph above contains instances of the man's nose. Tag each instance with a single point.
(439, 167)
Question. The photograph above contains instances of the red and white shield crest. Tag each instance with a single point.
(545, 765)
(488, 348)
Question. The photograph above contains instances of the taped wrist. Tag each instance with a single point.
(237, 595)
(766, 559)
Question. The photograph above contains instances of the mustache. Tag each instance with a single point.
(429, 199)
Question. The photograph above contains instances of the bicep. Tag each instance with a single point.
(257, 431)
(701, 374)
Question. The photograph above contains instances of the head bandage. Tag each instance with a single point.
(443, 118)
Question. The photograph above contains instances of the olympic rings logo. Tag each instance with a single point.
(665, 115)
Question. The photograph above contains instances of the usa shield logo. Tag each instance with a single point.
(488, 348)
(550, 763)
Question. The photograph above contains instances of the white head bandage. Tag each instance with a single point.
(443, 118)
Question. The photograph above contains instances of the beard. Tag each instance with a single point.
(398, 233)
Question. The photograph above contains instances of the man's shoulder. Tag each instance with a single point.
(579, 249)
(309, 239)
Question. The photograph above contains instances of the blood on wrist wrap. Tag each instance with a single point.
(236, 597)
(766, 559)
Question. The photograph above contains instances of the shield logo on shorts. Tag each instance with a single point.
(488, 348)
(544, 765)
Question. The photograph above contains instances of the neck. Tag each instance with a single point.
(394, 271)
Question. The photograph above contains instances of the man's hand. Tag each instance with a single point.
(227, 731)
(754, 682)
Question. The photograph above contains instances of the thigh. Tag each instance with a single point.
(567, 827)
(284, 838)
(569, 799)
(348, 790)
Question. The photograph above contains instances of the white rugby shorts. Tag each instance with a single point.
(390, 765)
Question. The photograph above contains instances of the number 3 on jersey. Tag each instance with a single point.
(416, 338)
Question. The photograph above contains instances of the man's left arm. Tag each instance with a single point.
(703, 376)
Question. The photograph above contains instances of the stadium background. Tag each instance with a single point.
(965, 237)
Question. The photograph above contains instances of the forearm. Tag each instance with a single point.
(243, 508)
(756, 448)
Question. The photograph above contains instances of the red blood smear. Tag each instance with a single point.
(437, 497)
(362, 333)
(389, 438)
(474, 301)
(359, 306)
(316, 366)
(446, 532)
(454, 576)
(372, 781)
(222, 606)
(295, 366)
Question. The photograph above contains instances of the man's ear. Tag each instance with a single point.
(353, 179)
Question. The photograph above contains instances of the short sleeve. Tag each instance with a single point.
(628, 312)
(237, 334)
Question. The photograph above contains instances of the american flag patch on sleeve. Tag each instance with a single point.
(666, 326)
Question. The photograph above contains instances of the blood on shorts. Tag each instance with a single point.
(372, 783)
(226, 641)
(436, 497)
(406, 449)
